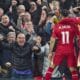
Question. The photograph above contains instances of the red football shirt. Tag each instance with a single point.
(65, 31)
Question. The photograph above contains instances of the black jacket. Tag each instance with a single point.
(21, 56)
(4, 29)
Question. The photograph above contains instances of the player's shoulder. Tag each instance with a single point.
(67, 20)
(76, 20)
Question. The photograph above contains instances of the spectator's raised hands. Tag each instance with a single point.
(8, 64)
(21, 15)
(35, 48)
(11, 28)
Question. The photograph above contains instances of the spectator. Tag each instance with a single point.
(39, 2)
(5, 25)
(11, 37)
(65, 4)
(38, 58)
(35, 13)
(1, 13)
(76, 11)
(41, 27)
(26, 3)
(27, 17)
(48, 26)
(21, 58)
(7, 55)
(54, 4)
(28, 30)
(30, 33)
(5, 4)
(21, 9)
(15, 11)
(23, 19)
(12, 12)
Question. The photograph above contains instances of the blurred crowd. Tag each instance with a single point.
(25, 31)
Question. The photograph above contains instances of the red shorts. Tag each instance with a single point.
(70, 59)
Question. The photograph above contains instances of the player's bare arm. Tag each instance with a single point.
(52, 45)
(78, 39)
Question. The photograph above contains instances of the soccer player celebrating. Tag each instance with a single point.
(65, 32)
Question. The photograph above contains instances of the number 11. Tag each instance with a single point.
(65, 37)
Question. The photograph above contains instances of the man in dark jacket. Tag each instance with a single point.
(21, 58)
(7, 56)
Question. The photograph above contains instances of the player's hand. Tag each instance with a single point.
(50, 56)
(78, 62)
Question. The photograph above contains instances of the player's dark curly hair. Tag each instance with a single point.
(64, 12)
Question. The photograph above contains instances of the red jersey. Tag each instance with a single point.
(65, 31)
